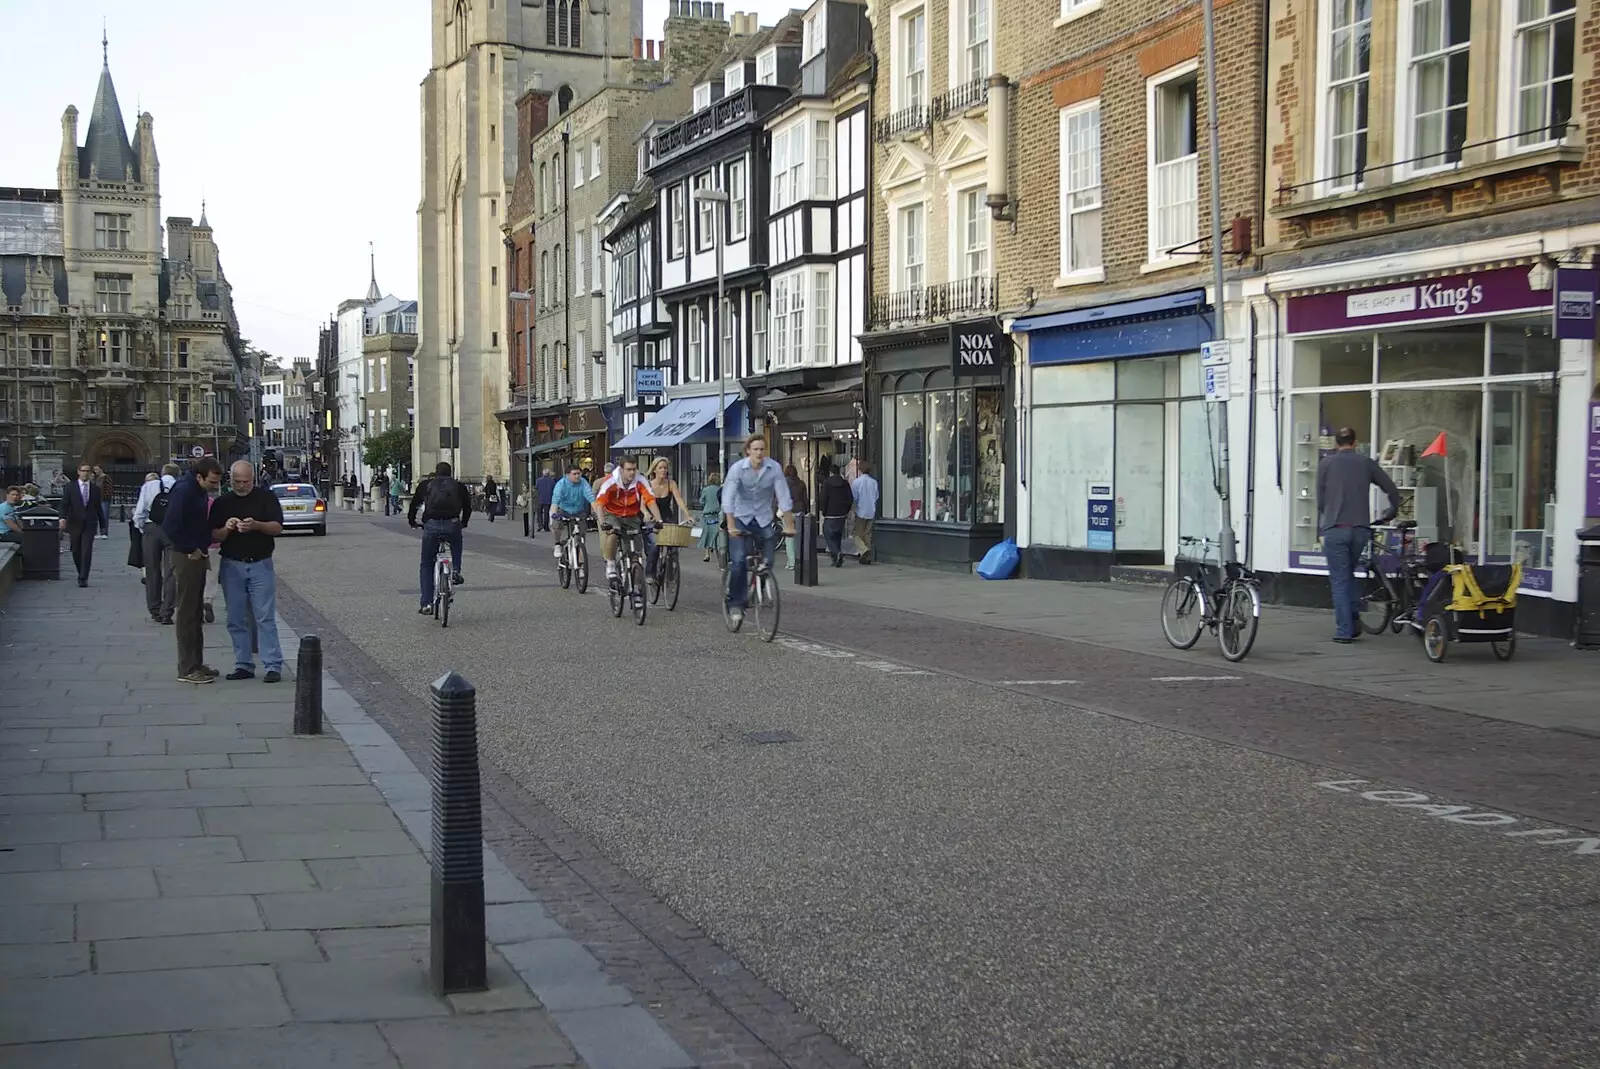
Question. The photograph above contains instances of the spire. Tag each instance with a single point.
(203, 212)
(106, 150)
(105, 45)
(373, 292)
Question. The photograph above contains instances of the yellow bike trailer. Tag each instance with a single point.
(1471, 603)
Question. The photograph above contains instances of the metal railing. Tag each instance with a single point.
(941, 300)
(722, 113)
(961, 98)
(899, 123)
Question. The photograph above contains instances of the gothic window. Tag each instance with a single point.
(576, 23)
(563, 99)
(550, 36)
(563, 23)
(461, 28)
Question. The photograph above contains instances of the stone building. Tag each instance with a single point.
(301, 412)
(113, 350)
(389, 349)
(484, 57)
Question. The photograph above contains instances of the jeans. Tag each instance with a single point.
(738, 554)
(1343, 547)
(252, 591)
(160, 588)
(191, 584)
(105, 518)
(833, 535)
(434, 532)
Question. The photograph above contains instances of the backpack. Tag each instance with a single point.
(158, 507)
(444, 499)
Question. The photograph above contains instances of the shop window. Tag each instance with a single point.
(1521, 505)
(1070, 447)
(941, 451)
(1333, 361)
(1446, 351)
(908, 453)
(1525, 347)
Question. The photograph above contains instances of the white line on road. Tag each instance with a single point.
(817, 649)
(1190, 679)
(1462, 814)
(1036, 682)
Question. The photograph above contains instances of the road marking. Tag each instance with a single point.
(1190, 679)
(817, 649)
(1463, 814)
(1036, 682)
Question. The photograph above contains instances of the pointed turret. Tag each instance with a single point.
(373, 292)
(145, 149)
(67, 165)
(106, 153)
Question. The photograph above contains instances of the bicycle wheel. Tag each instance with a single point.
(764, 601)
(580, 565)
(1238, 620)
(1183, 610)
(1504, 651)
(674, 578)
(1377, 607)
(615, 592)
(720, 550)
(657, 575)
(636, 592)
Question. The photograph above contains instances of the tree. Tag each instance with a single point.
(391, 449)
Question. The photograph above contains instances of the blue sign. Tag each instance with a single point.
(649, 380)
(1102, 517)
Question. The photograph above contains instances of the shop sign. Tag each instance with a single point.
(649, 380)
(1102, 517)
(586, 421)
(976, 349)
(1478, 293)
(1574, 304)
(1592, 508)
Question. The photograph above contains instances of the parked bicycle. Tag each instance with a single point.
(762, 600)
(1224, 597)
(574, 560)
(626, 589)
(1394, 582)
(443, 585)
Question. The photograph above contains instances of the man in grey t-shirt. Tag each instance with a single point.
(1345, 520)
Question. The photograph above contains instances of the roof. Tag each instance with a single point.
(106, 150)
(16, 271)
(789, 30)
(640, 203)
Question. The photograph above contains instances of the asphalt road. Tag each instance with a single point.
(953, 868)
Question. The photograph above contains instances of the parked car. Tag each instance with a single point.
(303, 509)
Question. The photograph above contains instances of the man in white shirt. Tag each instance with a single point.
(865, 493)
(752, 487)
(160, 587)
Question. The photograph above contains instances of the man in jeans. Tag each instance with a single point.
(754, 485)
(160, 588)
(445, 505)
(1345, 520)
(189, 527)
(245, 523)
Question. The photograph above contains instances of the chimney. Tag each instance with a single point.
(650, 49)
(638, 48)
(717, 8)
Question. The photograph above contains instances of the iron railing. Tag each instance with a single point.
(942, 300)
(899, 123)
(961, 98)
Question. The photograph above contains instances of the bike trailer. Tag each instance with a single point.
(1471, 603)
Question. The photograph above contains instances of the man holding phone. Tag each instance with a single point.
(244, 523)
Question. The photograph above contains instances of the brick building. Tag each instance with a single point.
(1431, 207)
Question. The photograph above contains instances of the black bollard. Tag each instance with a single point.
(308, 687)
(808, 551)
(458, 962)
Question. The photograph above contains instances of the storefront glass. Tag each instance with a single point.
(933, 435)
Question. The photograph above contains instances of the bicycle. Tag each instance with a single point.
(574, 559)
(668, 576)
(627, 588)
(443, 584)
(1393, 584)
(1230, 607)
(762, 599)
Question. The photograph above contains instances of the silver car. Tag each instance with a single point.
(302, 508)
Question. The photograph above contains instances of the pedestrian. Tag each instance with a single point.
(710, 512)
(189, 530)
(80, 507)
(546, 489)
(491, 497)
(864, 493)
(246, 523)
(397, 489)
(160, 589)
(1344, 517)
(10, 526)
(801, 496)
(380, 486)
(834, 501)
(107, 490)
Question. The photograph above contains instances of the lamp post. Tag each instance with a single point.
(1230, 547)
(719, 196)
(526, 300)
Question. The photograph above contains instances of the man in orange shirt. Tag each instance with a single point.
(624, 502)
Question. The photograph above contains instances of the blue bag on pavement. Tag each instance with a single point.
(1001, 560)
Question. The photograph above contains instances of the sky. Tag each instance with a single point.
(296, 122)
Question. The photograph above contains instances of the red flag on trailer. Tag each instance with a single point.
(1437, 448)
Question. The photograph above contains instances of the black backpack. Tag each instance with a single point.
(158, 507)
(444, 499)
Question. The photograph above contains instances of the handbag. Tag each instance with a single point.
(135, 547)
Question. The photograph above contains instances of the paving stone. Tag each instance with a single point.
(77, 1007)
(172, 779)
(76, 885)
(310, 776)
(325, 844)
(136, 747)
(268, 730)
(563, 975)
(238, 878)
(621, 1037)
(347, 945)
(36, 857)
(136, 762)
(357, 992)
(18, 736)
(152, 823)
(24, 766)
(48, 750)
(227, 746)
(18, 829)
(132, 734)
(123, 1052)
(351, 795)
(376, 907)
(42, 959)
(518, 922)
(39, 783)
(506, 990)
(360, 873)
(128, 853)
(388, 758)
(36, 924)
(500, 887)
(288, 819)
(515, 1040)
(167, 916)
(212, 797)
(290, 1046)
(156, 719)
(332, 752)
(203, 951)
(41, 803)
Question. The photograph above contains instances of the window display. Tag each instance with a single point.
(941, 451)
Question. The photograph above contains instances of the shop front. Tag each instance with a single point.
(685, 431)
(1120, 444)
(1457, 385)
(941, 441)
(816, 428)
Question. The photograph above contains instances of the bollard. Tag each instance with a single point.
(808, 551)
(457, 938)
(308, 687)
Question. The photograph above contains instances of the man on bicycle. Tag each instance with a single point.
(748, 493)
(569, 497)
(445, 506)
(622, 506)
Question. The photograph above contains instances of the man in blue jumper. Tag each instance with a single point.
(188, 526)
(1345, 520)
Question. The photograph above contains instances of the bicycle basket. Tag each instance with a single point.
(675, 535)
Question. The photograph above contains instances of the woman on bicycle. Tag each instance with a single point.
(669, 499)
(710, 512)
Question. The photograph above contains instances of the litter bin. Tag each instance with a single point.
(1587, 632)
(41, 543)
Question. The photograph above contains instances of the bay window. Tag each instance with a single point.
(822, 160)
(705, 215)
(738, 200)
(695, 346)
(821, 307)
(759, 354)
(675, 222)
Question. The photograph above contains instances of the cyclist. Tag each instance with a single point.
(571, 496)
(445, 506)
(748, 493)
(623, 503)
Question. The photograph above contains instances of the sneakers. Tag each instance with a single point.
(208, 670)
(242, 673)
(272, 676)
(167, 620)
(208, 613)
(197, 677)
(458, 579)
(735, 618)
(425, 610)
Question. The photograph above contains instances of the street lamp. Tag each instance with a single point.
(526, 300)
(707, 195)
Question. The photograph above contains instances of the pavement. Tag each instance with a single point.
(908, 838)
(185, 884)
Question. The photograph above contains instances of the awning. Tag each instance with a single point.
(675, 423)
(1171, 323)
(550, 447)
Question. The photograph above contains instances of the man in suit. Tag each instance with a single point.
(80, 518)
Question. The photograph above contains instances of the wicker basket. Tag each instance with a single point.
(675, 535)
